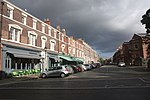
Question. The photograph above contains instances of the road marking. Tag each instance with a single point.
(75, 88)
(148, 81)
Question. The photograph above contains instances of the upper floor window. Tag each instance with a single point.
(68, 40)
(14, 32)
(52, 45)
(10, 11)
(63, 47)
(136, 46)
(55, 32)
(34, 23)
(32, 38)
(24, 18)
(69, 50)
(62, 38)
(43, 28)
(44, 39)
(49, 31)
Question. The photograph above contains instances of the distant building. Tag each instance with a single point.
(134, 52)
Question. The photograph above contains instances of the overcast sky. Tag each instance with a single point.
(103, 24)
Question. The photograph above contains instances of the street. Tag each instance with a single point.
(107, 82)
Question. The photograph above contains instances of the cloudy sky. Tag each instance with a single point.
(103, 24)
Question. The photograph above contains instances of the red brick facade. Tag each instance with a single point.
(57, 41)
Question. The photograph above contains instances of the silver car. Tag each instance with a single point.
(60, 71)
(121, 64)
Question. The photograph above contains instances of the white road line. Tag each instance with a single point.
(75, 88)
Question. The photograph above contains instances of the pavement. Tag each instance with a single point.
(19, 78)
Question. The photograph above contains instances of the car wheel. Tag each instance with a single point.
(44, 76)
(62, 75)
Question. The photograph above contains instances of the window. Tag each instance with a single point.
(32, 38)
(10, 11)
(24, 18)
(74, 51)
(49, 31)
(54, 33)
(69, 49)
(68, 40)
(14, 32)
(44, 39)
(43, 28)
(62, 38)
(52, 45)
(63, 47)
(136, 46)
(34, 23)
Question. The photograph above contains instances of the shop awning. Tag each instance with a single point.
(66, 57)
(27, 56)
(23, 55)
(78, 59)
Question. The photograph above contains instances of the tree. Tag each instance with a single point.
(146, 21)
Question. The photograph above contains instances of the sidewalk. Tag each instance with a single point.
(19, 78)
(140, 68)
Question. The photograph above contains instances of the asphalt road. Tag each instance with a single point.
(105, 83)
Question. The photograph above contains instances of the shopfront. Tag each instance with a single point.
(18, 58)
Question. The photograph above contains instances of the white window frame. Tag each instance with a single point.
(55, 32)
(43, 41)
(50, 31)
(15, 26)
(32, 40)
(43, 28)
(25, 18)
(10, 8)
(62, 37)
(63, 47)
(69, 50)
(34, 23)
(52, 45)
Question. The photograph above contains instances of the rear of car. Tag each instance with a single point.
(121, 64)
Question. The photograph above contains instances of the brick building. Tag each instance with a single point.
(134, 52)
(28, 42)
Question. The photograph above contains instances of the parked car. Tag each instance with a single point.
(70, 69)
(60, 71)
(97, 64)
(88, 66)
(75, 68)
(92, 65)
(121, 64)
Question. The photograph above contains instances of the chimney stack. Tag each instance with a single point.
(47, 21)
